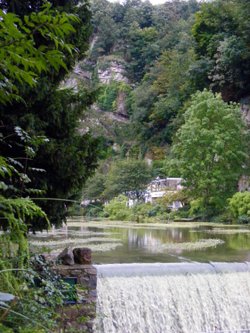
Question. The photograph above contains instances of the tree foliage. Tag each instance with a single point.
(94, 187)
(210, 148)
(44, 109)
(21, 60)
(129, 177)
(222, 39)
(239, 206)
(35, 52)
(117, 209)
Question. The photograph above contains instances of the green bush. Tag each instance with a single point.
(244, 219)
(117, 209)
(4, 329)
(196, 207)
(205, 210)
(107, 96)
(93, 210)
(147, 212)
(239, 207)
(224, 217)
(142, 209)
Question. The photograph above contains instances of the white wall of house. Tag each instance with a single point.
(158, 188)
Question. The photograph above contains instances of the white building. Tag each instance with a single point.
(159, 187)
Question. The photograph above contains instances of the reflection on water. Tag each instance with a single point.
(146, 243)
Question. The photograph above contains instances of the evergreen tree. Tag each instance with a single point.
(46, 110)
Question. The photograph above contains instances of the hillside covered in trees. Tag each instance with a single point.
(147, 64)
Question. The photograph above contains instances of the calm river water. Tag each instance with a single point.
(122, 242)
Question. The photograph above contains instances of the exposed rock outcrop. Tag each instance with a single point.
(112, 70)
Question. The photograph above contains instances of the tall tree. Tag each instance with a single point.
(46, 110)
(210, 149)
(22, 63)
(221, 32)
(129, 177)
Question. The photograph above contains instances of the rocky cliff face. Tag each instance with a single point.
(113, 71)
(77, 77)
(106, 70)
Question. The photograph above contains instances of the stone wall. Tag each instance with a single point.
(79, 316)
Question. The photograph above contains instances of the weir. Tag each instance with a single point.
(173, 298)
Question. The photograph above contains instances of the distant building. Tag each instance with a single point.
(159, 187)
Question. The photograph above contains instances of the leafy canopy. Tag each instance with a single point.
(210, 148)
(239, 205)
(42, 49)
(129, 177)
(21, 60)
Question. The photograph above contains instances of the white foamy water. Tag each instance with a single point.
(173, 298)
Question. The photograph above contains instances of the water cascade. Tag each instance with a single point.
(173, 298)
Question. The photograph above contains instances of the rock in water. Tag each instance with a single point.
(66, 257)
(82, 256)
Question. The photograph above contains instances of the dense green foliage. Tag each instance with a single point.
(117, 209)
(221, 32)
(154, 46)
(38, 127)
(109, 94)
(21, 60)
(170, 51)
(210, 149)
(239, 206)
(124, 176)
(39, 106)
(129, 177)
(166, 53)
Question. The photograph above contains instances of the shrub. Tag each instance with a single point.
(244, 219)
(93, 210)
(239, 207)
(147, 212)
(117, 209)
(196, 207)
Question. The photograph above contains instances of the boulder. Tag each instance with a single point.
(82, 256)
(66, 257)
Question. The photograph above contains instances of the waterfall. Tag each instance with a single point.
(173, 298)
